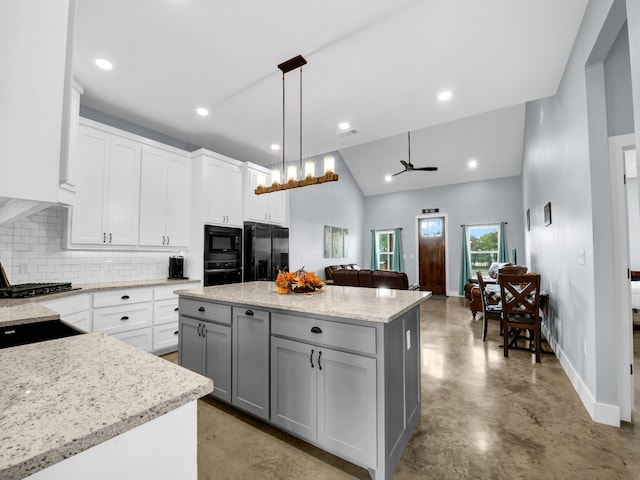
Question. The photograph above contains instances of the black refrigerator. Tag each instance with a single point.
(266, 251)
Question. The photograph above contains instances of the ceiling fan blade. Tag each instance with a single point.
(401, 171)
(406, 165)
(427, 169)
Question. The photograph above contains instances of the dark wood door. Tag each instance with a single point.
(432, 255)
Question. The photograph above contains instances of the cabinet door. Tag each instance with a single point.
(256, 205)
(251, 361)
(190, 351)
(347, 405)
(293, 387)
(123, 192)
(214, 192)
(233, 195)
(86, 216)
(276, 207)
(178, 213)
(217, 358)
(153, 197)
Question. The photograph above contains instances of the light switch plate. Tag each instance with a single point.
(408, 339)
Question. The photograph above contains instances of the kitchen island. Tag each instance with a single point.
(91, 406)
(339, 368)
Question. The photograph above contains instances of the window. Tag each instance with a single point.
(385, 249)
(483, 247)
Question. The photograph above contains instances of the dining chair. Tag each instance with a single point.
(487, 308)
(520, 297)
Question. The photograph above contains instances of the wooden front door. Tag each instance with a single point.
(432, 255)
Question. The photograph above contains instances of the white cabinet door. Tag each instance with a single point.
(276, 207)
(256, 205)
(178, 211)
(153, 197)
(233, 199)
(293, 387)
(86, 216)
(123, 192)
(222, 193)
(107, 191)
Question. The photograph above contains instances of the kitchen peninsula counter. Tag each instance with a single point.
(339, 368)
(62, 397)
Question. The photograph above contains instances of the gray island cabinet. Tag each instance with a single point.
(339, 369)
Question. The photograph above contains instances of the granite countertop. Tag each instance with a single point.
(14, 311)
(61, 397)
(356, 303)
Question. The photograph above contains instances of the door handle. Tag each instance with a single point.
(104, 237)
(249, 312)
(110, 238)
(163, 239)
(124, 297)
(168, 239)
(316, 330)
(311, 358)
(201, 309)
(319, 357)
(124, 318)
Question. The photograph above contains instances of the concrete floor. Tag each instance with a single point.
(483, 417)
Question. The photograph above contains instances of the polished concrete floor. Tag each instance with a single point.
(483, 417)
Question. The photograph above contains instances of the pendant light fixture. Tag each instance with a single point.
(287, 178)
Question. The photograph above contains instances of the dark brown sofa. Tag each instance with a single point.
(354, 276)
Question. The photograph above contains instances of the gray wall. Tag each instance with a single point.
(617, 77)
(339, 204)
(566, 162)
(490, 201)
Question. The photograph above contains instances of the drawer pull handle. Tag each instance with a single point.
(176, 332)
(124, 318)
(249, 312)
(124, 297)
(201, 309)
(316, 330)
(311, 358)
(175, 309)
(319, 357)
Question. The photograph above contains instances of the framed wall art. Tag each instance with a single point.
(547, 214)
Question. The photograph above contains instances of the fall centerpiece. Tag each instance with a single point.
(298, 282)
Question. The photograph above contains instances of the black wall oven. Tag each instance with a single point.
(222, 255)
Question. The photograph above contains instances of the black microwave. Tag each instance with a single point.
(224, 241)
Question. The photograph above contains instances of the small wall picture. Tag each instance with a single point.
(328, 241)
(528, 219)
(547, 214)
(337, 242)
(345, 241)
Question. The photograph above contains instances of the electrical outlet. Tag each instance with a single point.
(580, 257)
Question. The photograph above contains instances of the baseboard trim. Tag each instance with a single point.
(604, 413)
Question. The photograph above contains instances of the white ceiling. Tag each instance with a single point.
(377, 64)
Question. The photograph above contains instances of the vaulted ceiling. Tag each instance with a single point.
(377, 64)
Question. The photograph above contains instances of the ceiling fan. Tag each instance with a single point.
(408, 166)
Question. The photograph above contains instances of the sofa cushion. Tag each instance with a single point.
(364, 278)
(345, 277)
(390, 279)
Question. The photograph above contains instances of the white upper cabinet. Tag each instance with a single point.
(165, 198)
(268, 207)
(107, 189)
(219, 189)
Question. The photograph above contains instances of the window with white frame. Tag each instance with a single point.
(384, 239)
(483, 247)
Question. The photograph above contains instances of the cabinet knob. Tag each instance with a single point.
(176, 309)
(124, 297)
(249, 312)
(201, 309)
(124, 318)
(316, 330)
(176, 332)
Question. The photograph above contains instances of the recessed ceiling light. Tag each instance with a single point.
(344, 125)
(203, 112)
(473, 163)
(446, 95)
(275, 146)
(387, 178)
(104, 64)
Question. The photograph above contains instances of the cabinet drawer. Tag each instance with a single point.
(120, 319)
(140, 338)
(122, 297)
(356, 338)
(68, 305)
(165, 311)
(165, 292)
(165, 336)
(205, 310)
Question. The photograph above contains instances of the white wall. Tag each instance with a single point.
(566, 162)
(490, 201)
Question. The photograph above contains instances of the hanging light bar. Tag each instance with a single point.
(288, 178)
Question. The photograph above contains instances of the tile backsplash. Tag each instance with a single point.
(31, 250)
